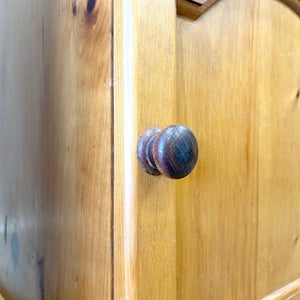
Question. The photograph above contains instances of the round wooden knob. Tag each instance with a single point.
(172, 152)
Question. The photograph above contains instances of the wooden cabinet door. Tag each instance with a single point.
(238, 214)
(80, 81)
(229, 230)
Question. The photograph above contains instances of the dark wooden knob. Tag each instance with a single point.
(172, 152)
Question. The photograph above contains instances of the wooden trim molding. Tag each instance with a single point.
(287, 292)
(293, 4)
(193, 9)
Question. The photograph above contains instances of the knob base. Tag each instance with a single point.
(145, 151)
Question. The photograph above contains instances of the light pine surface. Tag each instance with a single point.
(230, 230)
(220, 67)
(278, 71)
(55, 150)
(238, 84)
(21, 94)
(216, 204)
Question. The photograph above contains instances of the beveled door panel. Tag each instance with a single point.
(238, 86)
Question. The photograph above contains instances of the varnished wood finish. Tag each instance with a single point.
(216, 205)
(145, 97)
(172, 152)
(21, 100)
(290, 291)
(278, 76)
(55, 149)
(238, 212)
(237, 216)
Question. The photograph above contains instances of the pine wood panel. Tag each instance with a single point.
(278, 72)
(145, 96)
(55, 153)
(237, 222)
(216, 204)
(21, 93)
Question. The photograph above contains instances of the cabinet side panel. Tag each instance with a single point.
(55, 153)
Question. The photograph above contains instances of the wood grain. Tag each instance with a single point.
(237, 218)
(55, 153)
(145, 224)
(277, 68)
(216, 204)
(21, 92)
(238, 212)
